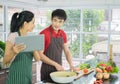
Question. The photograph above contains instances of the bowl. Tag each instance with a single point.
(63, 76)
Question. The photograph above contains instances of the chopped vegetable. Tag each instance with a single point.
(84, 65)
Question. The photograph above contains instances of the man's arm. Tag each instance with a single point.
(68, 55)
(48, 61)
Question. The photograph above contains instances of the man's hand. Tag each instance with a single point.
(72, 68)
(59, 67)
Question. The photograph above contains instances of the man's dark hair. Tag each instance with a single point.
(60, 13)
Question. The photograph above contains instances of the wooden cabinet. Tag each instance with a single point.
(4, 73)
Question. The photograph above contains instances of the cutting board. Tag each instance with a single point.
(81, 73)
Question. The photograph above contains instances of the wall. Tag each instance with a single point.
(61, 3)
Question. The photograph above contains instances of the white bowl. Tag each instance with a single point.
(63, 76)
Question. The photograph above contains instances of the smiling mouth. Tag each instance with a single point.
(56, 27)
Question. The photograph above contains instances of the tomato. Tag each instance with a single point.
(98, 82)
(109, 68)
(85, 71)
(104, 65)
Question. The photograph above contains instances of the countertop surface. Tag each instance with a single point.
(90, 78)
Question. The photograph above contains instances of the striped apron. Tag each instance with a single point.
(54, 52)
(20, 71)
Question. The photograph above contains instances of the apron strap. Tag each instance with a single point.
(19, 33)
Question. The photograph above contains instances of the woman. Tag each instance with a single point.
(20, 71)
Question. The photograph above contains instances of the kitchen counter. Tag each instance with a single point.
(90, 78)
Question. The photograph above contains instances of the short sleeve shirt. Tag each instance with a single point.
(46, 33)
(11, 37)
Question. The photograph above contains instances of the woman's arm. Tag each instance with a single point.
(36, 55)
(9, 54)
(11, 51)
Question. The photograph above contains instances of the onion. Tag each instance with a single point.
(99, 75)
(106, 75)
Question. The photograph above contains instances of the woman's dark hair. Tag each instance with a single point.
(18, 20)
(60, 13)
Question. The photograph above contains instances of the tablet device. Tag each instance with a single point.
(32, 42)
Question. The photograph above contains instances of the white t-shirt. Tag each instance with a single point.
(11, 37)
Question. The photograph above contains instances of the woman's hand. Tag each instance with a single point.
(11, 51)
(18, 48)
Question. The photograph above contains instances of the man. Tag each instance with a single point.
(55, 42)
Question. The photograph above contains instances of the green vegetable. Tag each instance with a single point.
(1, 53)
(111, 63)
(84, 65)
(2, 45)
(2, 48)
(115, 70)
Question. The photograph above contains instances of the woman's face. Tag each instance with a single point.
(57, 23)
(30, 25)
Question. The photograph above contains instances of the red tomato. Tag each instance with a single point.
(85, 71)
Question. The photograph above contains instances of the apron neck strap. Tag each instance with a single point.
(19, 33)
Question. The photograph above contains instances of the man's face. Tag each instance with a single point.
(57, 23)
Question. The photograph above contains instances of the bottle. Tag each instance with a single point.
(111, 52)
(112, 63)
